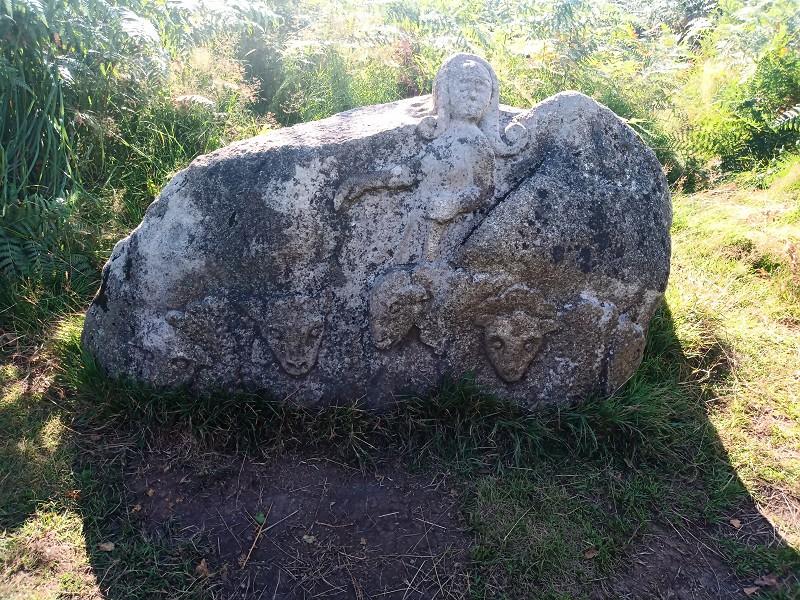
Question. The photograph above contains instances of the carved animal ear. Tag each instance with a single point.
(413, 293)
(548, 325)
(483, 319)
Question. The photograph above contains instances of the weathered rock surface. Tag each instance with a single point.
(373, 253)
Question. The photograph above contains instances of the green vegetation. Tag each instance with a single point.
(99, 102)
(100, 106)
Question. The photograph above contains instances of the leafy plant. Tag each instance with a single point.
(35, 169)
(88, 94)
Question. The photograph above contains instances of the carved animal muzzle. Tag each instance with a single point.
(296, 347)
(395, 306)
(512, 342)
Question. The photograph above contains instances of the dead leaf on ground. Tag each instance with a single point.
(106, 547)
(309, 539)
(136, 508)
(73, 494)
(751, 590)
(150, 492)
(767, 581)
(591, 553)
(201, 570)
(736, 523)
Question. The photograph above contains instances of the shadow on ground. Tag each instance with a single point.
(457, 496)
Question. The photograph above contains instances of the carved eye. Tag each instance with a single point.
(395, 308)
(496, 342)
(316, 331)
(530, 345)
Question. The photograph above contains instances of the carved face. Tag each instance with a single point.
(469, 91)
(394, 307)
(294, 333)
(512, 342)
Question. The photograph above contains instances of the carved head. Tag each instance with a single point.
(469, 90)
(466, 88)
(515, 323)
(512, 341)
(293, 328)
(395, 306)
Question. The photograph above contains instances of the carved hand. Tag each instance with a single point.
(349, 190)
(448, 206)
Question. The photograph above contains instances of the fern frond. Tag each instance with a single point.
(29, 230)
(138, 28)
(12, 255)
(788, 120)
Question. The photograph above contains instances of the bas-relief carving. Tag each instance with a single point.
(454, 181)
(454, 174)
(395, 306)
(515, 324)
(201, 326)
(454, 178)
(512, 340)
(293, 327)
(440, 265)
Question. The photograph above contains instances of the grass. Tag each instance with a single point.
(705, 437)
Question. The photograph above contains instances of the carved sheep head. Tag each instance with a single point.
(512, 341)
(395, 306)
(293, 327)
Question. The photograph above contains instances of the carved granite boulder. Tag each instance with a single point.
(374, 253)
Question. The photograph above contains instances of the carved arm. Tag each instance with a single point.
(447, 207)
(356, 186)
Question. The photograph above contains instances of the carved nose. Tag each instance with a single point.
(297, 363)
(512, 375)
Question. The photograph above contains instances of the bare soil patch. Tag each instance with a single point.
(672, 564)
(686, 562)
(308, 527)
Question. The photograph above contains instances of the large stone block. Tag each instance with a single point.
(373, 253)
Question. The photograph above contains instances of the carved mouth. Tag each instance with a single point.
(512, 376)
(299, 368)
(383, 343)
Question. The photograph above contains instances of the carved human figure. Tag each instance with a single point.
(454, 174)
(395, 306)
(293, 327)
(512, 341)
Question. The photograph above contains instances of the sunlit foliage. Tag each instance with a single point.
(101, 102)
